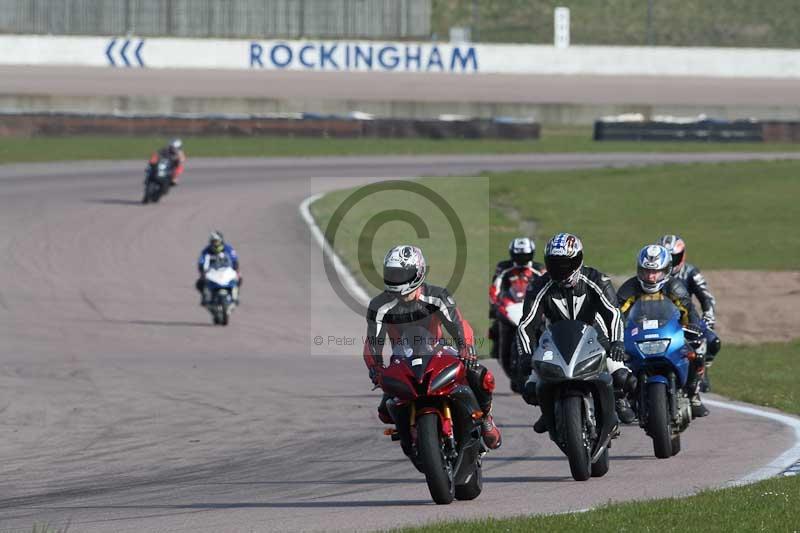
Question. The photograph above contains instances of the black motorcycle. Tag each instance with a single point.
(158, 179)
(575, 392)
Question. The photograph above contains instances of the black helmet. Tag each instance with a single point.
(521, 250)
(563, 258)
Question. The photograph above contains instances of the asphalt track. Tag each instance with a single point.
(123, 409)
(406, 87)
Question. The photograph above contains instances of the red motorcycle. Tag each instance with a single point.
(509, 314)
(437, 416)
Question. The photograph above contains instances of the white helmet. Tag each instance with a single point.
(176, 144)
(521, 250)
(404, 269)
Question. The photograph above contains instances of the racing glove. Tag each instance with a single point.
(617, 351)
(376, 375)
(468, 357)
(709, 319)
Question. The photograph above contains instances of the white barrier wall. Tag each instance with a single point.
(364, 56)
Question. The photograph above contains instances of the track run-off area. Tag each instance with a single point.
(123, 409)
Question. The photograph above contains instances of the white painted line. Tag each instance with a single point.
(345, 276)
(777, 466)
(780, 463)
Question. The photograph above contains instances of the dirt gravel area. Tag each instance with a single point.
(756, 306)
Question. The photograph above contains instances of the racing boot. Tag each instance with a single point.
(698, 409)
(624, 411)
(206, 298)
(490, 432)
(540, 426)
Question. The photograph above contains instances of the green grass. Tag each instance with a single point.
(770, 505)
(14, 149)
(733, 216)
(764, 374)
(624, 22)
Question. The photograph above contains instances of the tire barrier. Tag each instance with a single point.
(294, 125)
(698, 131)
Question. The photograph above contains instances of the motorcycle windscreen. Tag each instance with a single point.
(653, 313)
(567, 335)
(415, 345)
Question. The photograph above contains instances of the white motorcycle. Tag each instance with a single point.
(222, 284)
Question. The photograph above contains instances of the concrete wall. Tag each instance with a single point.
(368, 56)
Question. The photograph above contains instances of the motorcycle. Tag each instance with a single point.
(158, 180)
(222, 283)
(659, 356)
(575, 393)
(437, 417)
(509, 314)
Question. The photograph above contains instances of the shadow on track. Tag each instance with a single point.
(113, 201)
(165, 323)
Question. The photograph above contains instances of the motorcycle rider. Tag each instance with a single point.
(174, 152)
(520, 262)
(571, 291)
(409, 302)
(216, 247)
(697, 286)
(653, 276)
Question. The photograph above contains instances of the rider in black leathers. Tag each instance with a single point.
(571, 291)
(697, 286)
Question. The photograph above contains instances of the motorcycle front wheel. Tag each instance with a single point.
(658, 420)
(438, 473)
(578, 451)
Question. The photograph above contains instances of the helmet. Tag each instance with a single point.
(404, 269)
(521, 250)
(653, 258)
(563, 257)
(175, 145)
(216, 241)
(675, 246)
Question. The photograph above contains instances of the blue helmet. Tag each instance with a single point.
(653, 268)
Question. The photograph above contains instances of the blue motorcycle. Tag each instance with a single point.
(659, 357)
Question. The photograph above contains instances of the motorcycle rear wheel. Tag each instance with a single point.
(658, 425)
(438, 473)
(574, 429)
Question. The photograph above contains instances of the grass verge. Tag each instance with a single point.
(733, 216)
(764, 374)
(39, 149)
(769, 505)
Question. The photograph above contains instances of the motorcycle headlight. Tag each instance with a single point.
(653, 347)
(590, 365)
(447, 375)
(548, 370)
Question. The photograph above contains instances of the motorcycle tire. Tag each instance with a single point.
(473, 487)
(438, 473)
(574, 429)
(658, 420)
(226, 315)
(600, 467)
